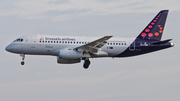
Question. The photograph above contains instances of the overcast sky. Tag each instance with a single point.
(151, 77)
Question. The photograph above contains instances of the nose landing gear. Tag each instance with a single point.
(23, 57)
(22, 63)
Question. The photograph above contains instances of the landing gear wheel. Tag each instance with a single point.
(23, 57)
(22, 63)
(86, 64)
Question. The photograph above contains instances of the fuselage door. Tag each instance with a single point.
(132, 45)
(33, 41)
(21, 45)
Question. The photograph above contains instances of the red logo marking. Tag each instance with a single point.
(161, 31)
(152, 23)
(143, 34)
(159, 15)
(150, 26)
(160, 28)
(154, 20)
(41, 38)
(159, 25)
(156, 33)
(147, 30)
(150, 34)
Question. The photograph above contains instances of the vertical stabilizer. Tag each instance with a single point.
(154, 29)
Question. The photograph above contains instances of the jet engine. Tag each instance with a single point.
(67, 61)
(69, 53)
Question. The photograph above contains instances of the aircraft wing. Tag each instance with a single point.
(93, 46)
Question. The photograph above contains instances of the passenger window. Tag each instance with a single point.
(119, 43)
(40, 41)
(116, 43)
(46, 41)
(57, 41)
(79, 42)
(82, 42)
(62, 41)
(65, 41)
(43, 41)
(21, 40)
(111, 43)
(122, 43)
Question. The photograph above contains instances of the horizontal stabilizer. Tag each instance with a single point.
(161, 42)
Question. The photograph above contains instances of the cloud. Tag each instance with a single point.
(38, 9)
(109, 85)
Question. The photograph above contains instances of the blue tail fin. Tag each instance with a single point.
(154, 29)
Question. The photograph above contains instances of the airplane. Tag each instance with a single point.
(73, 49)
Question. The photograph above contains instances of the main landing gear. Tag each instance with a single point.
(86, 63)
(23, 57)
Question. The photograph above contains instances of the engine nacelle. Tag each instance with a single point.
(69, 53)
(67, 61)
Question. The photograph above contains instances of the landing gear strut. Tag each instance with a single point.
(23, 57)
(86, 63)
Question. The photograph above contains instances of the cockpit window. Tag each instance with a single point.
(18, 40)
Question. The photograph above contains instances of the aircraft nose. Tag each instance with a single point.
(8, 48)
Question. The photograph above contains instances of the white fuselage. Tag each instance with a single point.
(50, 45)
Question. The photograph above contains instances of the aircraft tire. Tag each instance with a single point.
(86, 64)
(22, 63)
